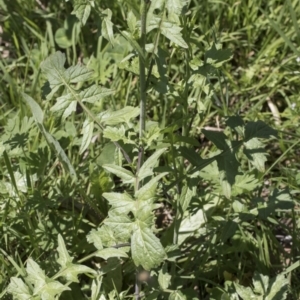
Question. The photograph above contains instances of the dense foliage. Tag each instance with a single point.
(149, 149)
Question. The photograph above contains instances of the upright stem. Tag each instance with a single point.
(142, 63)
(143, 82)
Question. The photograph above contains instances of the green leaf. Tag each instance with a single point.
(110, 252)
(228, 169)
(133, 43)
(278, 288)
(216, 56)
(65, 105)
(116, 134)
(78, 73)
(255, 152)
(87, 132)
(148, 191)
(64, 257)
(131, 21)
(244, 183)
(53, 68)
(124, 174)
(146, 248)
(123, 115)
(218, 138)
(245, 292)
(121, 226)
(259, 129)
(94, 93)
(36, 110)
(164, 278)
(95, 238)
(107, 27)
(175, 8)
(39, 116)
(82, 9)
(62, 38)
(121, 203)
(172, 32)
(69, 270)
(43, 286)
(147, 168)
(177, 295)
(19, 289)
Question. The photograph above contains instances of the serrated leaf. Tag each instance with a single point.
(177, 295)
(124, 174)
(131, 21)
(146, 248)
(94, 94)
(94, 237)
(110, 252)
(278, 288)
(107, 27)
(172, 32)
(64, 257)
(218, 138)
(259, 129)
(64, 105)
(164, 278)
(72, 271)
(121, 225)
(255, 152)
(123, 115)
(147, 167)
(244, 183)
(190, 224)
(87, 132)
(53, 68)
(148, 191)
(82, 10)
(78, 73)
(116, 134)
(175, 8)
(245, 292)
(228, 169)
(19, 289)
(39, 116)
(121, 203)
(216, 56)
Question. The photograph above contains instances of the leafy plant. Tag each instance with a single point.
(154, 200)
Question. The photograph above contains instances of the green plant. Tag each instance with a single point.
(124, 176)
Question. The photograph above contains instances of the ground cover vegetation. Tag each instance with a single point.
(149, 150)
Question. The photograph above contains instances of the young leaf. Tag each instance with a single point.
(39, 116)
(148, 191)
(147, 168)
(172, 32)
(78, 73)
(69, 270)
(259, 129)
(110, 252)
(82, 10)
(117, 134)
(107, 27)
(43, 286)
(19, 289)
(124, 174)
(146, 248)
(164, 278)
(94, 93)
(218, 138)
(64, 105)
(177, 295)
(123, 115)
(87, 132)
(121, 203)
(255, 151)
